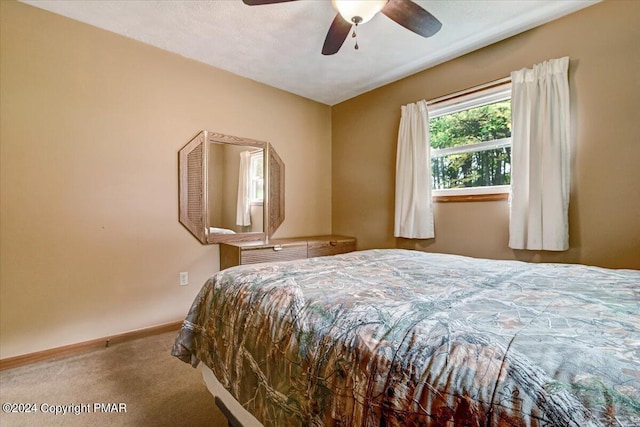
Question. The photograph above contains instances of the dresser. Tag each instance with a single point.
(237, 253)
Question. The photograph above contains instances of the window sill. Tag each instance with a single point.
(475, 194)
(471, 198)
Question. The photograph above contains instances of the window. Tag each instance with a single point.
(470, 137)
(256, 174)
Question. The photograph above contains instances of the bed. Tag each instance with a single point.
(217, 230)
(406, 338)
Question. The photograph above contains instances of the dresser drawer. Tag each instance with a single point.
(253, 252)
(286, 252)
(330, 246)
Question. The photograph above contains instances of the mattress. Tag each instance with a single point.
(407, 338)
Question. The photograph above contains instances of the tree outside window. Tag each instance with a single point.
(471, 144)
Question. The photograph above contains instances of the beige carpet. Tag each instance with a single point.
(157, 389)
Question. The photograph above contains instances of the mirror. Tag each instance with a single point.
(231, 188)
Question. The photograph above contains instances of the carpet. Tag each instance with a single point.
(134, 383)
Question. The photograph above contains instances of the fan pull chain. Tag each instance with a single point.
(355, 35)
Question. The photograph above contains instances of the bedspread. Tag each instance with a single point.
(406, 338)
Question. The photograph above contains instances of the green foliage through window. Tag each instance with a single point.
(469, 166)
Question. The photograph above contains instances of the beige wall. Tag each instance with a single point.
(602, 43)
(91, 124)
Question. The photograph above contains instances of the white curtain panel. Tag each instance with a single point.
(243, 208)
(540, 157)
(413, 209)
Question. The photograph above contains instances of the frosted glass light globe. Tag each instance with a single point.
(358, 11)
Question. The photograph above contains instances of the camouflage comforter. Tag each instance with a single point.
(406, 338)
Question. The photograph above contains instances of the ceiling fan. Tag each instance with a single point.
(356, 12)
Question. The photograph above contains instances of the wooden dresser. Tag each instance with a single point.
(237, 253)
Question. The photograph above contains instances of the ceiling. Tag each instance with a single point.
(280, 44)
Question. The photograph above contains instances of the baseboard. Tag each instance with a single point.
(67, 350)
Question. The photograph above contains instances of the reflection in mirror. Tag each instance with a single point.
(231, 188)
(235, 189)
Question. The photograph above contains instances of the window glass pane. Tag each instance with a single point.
(258, 192)
(485, 123)
(257, 165)
(477, 169)
(257, 177)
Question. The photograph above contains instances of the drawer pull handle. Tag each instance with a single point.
(333, 242)
(277, 248)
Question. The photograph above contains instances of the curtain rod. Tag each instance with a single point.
(469, 91)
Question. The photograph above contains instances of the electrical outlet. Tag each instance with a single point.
(184, 278)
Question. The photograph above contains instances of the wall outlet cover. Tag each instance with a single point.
(184, 278)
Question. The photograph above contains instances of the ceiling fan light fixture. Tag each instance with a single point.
(358, 11)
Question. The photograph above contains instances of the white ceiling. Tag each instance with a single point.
(280, 44)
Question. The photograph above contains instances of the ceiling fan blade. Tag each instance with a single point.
(261, 2)
(412, 17)
(336, 35)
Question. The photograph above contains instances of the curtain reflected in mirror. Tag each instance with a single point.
(231, 189)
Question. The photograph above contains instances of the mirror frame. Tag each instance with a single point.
(193, 162)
